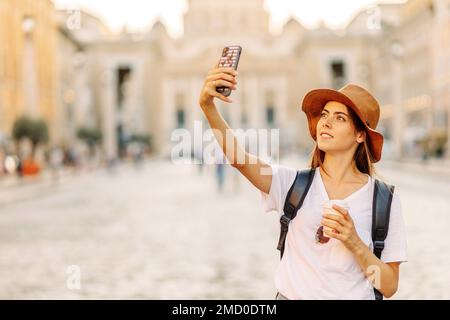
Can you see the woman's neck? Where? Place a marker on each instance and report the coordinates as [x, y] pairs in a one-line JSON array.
[[340, 168]]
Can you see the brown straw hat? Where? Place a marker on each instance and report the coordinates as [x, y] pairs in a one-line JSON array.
[[355, 97]]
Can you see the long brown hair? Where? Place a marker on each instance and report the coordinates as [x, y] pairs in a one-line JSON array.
[[363, 158]]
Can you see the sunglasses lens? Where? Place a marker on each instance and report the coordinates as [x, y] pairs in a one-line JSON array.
[[320, 237]]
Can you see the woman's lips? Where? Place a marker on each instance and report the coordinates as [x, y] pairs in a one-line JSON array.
[[326, 136]]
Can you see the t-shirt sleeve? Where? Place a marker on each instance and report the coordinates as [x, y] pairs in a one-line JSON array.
[[282, 179], [395, 245]]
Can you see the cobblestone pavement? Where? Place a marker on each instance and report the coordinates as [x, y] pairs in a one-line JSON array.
[[165, 232]]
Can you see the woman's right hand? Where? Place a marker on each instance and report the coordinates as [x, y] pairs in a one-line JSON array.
[[258, 172], [217, 77]]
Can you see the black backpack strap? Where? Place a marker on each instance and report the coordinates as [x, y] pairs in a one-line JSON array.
[[381, 209], [294, 200]]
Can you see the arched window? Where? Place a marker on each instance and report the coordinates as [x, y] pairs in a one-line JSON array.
[[270, 115], [180, 116], [270, 108], [338, 73], [181, 121]]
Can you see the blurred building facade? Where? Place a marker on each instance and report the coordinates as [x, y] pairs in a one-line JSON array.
[[398, 51], [412, 72], [148, 83], [27, 72], [76, 107]]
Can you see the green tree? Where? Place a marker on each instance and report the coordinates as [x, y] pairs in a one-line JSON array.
[[91, 136], [34, 130], [142, 138]]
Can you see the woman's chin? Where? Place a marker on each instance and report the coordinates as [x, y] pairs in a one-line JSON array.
[[323, 147]]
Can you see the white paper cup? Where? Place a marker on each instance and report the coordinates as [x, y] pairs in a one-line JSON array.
[[327, 208]]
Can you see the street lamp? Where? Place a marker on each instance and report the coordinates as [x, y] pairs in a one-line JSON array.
[[397, 51], [28, 25]]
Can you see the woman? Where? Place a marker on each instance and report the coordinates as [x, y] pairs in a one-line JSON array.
[[347, 145]]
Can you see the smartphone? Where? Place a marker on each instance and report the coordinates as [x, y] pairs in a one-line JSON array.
[[230, 58]]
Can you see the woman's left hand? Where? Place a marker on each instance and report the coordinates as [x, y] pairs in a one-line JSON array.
[[344, 227]]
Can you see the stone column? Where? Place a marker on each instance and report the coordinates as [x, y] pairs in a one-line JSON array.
[[167, 116], [109, 113], [30, 70], [255, 103], [399, 112], [440, 62]]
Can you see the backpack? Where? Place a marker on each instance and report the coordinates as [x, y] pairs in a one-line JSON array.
[[381, 207]]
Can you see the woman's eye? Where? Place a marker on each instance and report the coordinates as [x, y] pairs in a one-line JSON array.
[[323, 114], [341, 118]]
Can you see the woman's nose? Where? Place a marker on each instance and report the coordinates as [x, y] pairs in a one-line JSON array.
[[327, 123]]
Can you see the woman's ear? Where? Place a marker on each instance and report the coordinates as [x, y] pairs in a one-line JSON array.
[[361, 136]]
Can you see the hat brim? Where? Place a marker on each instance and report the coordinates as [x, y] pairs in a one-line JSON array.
[[315, 100]]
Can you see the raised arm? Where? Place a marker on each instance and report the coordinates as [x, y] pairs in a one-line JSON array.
[[258, 172]]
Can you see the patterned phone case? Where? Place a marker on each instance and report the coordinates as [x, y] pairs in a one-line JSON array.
[[230, 58]]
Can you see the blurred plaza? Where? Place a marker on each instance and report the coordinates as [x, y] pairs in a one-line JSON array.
[[91, 205], [164, 231]]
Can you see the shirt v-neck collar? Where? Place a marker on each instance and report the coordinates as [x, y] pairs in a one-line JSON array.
[[349, 197]]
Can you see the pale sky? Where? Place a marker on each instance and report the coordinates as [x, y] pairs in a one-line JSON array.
[[139, 15]]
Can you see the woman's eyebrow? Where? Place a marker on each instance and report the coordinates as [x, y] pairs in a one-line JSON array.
[[337, 112]]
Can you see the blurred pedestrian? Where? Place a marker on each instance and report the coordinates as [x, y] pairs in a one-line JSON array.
[[220, 161], [56, 160], [198, 157]]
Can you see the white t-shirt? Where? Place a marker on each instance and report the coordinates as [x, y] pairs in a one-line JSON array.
[[310, 270]]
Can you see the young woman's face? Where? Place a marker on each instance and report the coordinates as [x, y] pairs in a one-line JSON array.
[[335, 129]]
